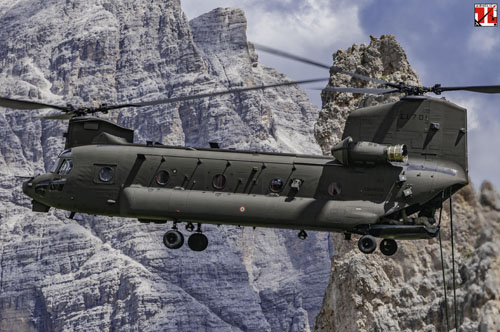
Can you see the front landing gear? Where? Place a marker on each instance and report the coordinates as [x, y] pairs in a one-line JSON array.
[[173, 239], [388, 247], [198, 241]]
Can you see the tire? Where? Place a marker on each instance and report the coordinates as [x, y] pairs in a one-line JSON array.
[[388, 247], [173, 239], [197, 242], [367, 244]]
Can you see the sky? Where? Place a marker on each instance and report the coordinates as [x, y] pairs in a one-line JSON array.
[[439, 37]]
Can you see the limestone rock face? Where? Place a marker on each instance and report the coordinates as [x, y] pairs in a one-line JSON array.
[[383, 58], [112, 274], [404, 292]]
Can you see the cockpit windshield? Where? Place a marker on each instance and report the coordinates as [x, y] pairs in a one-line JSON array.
[[63, 164], [66, 167]]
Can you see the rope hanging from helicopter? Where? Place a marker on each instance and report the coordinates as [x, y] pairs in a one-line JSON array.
[[445, 288], [453, 264], [442, 267]]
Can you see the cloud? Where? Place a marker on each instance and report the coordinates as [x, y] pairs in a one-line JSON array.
[[483, 41], [483, 131], [475, 105], [301, 26], [311, 28], [483, 154]]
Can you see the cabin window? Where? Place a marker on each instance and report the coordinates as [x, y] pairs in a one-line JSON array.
[[219, 181], [276, 185], [106, 174], [334, 189], [162, 178]]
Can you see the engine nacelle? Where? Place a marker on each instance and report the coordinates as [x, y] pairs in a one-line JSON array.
[[349, 152]]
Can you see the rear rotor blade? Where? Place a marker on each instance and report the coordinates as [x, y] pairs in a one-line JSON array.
[[27, 105], [478, 88], [210, 94], [289, 56], [317, 64], [373, 91]]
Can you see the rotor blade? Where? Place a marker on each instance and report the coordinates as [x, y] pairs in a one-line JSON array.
[[478, 88], [211, 94], [27, 105], [64, 116], [289, 56], [317, 64], [373, 91]]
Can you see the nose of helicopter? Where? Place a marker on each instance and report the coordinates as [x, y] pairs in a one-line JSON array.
[[35, 188], [28, 187]]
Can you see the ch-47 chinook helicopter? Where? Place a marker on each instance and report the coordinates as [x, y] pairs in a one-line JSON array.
[[396, 163]]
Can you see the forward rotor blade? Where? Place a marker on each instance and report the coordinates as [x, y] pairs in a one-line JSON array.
[[478, 88], [211, 94], [373, 91], [27, 105], [317, 64]]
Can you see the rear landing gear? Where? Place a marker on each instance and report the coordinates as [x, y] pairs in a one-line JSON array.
[[367, 244], [388, 247]]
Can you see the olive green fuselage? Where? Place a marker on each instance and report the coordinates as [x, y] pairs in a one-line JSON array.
[[330, 196]]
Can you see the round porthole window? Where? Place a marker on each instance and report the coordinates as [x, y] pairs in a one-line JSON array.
[[276, 185], [106, 174], [334, 189], [219, 181], [162, 178]]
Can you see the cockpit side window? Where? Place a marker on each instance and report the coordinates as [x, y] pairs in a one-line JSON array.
[[55, 166]]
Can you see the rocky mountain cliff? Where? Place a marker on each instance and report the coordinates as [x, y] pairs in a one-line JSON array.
[[404, 292], [111, 274]]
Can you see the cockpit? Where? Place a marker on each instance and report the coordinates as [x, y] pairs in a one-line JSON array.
[[63, 164], [48, 189]]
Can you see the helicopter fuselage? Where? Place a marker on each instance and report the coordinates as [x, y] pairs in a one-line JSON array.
[[158, 183]]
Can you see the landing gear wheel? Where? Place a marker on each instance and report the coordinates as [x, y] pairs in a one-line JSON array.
[[367, 244], [173, 239], [197, 242], [388, 247], [302, 235]]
